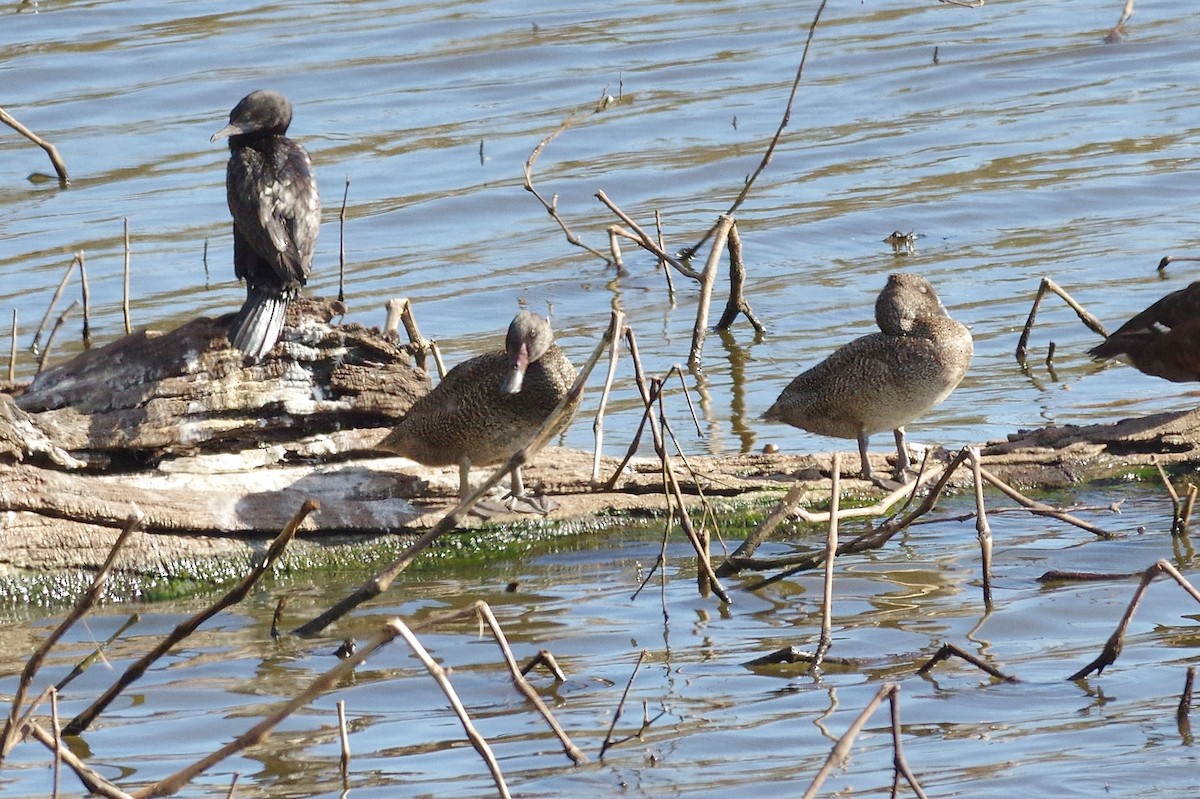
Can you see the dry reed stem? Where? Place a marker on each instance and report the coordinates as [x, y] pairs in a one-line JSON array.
[[97, 653], [233, 781], [62, 319], [614, 246], [552, 206], [706, 575], [983, 530], [1183, 709], [399, 312], [870, 540], [86, 293], [946, 651], [125, 281], [383, 579], [766, 159], [134, 672], [707, 279], [1041, 509], [639, 379], [1112, 648], [841, 749], [1049, 285], [56, 731], [743, 556], [831, 546], [263, 728], [737, 302], [56, 161], [85, 603], [91, 780], [344, 738], [522, 685], [608, 739], [545, 657], [62, 284], [645, 241], [662, 262], [12, 351], [899, 761], [440, 677], [598, 423], [342, 243]]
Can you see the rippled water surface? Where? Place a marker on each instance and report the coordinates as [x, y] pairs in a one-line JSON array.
[[1010, 139], [1028, 147]]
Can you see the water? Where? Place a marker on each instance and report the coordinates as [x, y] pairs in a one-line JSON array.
[[723, 725], [1029, 148]]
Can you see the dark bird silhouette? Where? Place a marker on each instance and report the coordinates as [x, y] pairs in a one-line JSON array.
[[1163, 340], [884, 380], [276, 211], [488, 407]]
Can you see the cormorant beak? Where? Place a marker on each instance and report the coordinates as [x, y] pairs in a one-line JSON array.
[[227, 131], [516, 376]]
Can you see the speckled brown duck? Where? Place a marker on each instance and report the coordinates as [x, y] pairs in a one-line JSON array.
[[884, 380], [488, 407], [1163, 340]]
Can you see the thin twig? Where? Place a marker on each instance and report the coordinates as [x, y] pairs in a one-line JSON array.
[[97, 653], [598, 424], [12, 352], [983, 530], [552, 206], [383, 580], [608, 739], [85, 603], [344, 737], [1084, 316], [899, 761], [644, 239], [87, 320], [946, 651], [841, 749], [737, 302], [570, 749], [766, 159], [709, 276], [62, 284], [342, 243], [60, 168], [58, 323], [134, 672], [440, 677], [125, 295], [1041, 509], [1112, 648], [831, 546]]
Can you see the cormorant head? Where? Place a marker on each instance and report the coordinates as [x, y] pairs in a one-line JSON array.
[[261, 112]]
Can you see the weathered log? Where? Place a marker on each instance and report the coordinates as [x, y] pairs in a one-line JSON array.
[[326, 390]]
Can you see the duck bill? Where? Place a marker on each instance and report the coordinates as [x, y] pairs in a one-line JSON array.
[[516, 373]]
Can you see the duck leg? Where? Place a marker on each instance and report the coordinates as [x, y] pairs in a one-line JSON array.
[[520, 501], [902, 459]]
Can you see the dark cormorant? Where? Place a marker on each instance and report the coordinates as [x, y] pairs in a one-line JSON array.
[[276, 211]]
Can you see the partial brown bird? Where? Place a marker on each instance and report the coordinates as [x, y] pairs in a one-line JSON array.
[[884, 380], [1163, 340], [488, 407]]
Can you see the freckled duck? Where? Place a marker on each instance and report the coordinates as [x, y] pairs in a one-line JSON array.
[[487, 408], [884, 380]]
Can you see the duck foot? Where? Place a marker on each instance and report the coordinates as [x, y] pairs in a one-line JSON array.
[[531, 503]]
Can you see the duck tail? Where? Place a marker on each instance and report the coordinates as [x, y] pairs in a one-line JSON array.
[[258, 324]]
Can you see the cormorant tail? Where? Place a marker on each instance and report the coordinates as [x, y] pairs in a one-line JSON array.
[[258, 324]]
